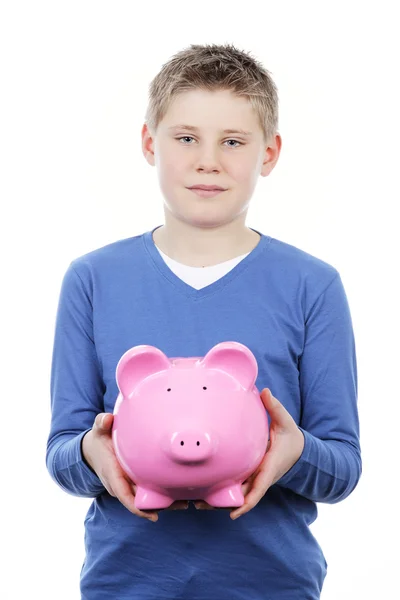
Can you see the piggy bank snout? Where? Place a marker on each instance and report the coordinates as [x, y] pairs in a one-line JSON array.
[[190, 446]]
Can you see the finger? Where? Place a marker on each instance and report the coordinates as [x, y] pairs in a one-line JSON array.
[[107, 421], [179, 505], [254, 496], [259, 488], [246, 487], [278, 413], [103, 422], [266, 397], [202, 505], [123, 491]]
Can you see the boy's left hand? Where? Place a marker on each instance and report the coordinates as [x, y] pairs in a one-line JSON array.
[[284, 449]]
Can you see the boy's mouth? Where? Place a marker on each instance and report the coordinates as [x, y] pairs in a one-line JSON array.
[[202, 186], [206, 193]]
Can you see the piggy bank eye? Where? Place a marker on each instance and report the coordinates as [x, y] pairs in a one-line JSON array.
[[204, 388]]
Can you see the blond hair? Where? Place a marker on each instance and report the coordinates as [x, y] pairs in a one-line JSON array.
[[214, 67]]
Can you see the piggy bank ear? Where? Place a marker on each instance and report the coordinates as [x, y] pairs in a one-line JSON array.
[[235, 359], [138, 363]]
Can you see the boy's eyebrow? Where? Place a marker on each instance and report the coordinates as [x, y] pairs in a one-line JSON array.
[[229, 131]]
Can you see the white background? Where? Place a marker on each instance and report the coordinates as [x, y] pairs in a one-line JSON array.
[[74, 78]]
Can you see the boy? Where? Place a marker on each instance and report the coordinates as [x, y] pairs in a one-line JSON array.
[[201, 278]]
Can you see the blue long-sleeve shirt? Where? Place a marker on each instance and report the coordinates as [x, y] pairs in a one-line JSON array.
[[291, 310]]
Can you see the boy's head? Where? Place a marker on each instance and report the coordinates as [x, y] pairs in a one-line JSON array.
[[211, 89]]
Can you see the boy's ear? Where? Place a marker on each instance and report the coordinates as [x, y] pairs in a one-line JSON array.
[[271, 156], [235, 359], [148, 145], [138, 363]]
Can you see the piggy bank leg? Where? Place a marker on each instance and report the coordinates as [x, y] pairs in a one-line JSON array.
[[231, 496], [150, 500]]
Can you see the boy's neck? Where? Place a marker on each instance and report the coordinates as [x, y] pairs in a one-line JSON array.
[[203, 247]]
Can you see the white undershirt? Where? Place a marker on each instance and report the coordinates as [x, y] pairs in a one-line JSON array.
[[199, 277]]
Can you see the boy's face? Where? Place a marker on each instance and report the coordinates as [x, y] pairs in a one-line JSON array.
[[209, 156]]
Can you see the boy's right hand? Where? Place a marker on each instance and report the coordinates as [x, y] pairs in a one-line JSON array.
[[98, 452]]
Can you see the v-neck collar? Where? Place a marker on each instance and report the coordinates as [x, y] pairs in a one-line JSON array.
[[186, 289]]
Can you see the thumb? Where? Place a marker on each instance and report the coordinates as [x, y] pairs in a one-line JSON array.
[[267, 397], [276, 410], [271, 403], [103, 422]]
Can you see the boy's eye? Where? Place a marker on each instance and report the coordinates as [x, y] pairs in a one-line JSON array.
[[189, 137]]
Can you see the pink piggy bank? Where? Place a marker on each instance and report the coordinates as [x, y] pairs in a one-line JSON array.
[[189, 428]]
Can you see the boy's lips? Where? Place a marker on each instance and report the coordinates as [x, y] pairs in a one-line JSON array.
[[207, 187], [206, 193]]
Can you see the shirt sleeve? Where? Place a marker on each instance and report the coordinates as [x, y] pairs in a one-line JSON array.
[[77, 389], [330, 466]]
